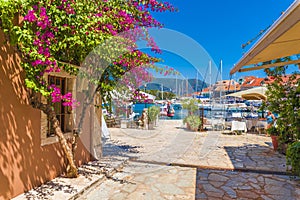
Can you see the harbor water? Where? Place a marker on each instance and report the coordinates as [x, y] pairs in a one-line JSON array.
[[179, 113], [208, 113]]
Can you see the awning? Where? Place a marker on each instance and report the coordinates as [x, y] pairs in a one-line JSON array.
[[282, 39], [257, 93]]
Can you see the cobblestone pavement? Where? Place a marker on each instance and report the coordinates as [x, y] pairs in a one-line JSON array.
[[218, 184], [147, 181], [152, 181], [171, 143], [173, 163]]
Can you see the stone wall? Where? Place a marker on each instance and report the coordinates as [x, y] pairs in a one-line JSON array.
[[24, 162]]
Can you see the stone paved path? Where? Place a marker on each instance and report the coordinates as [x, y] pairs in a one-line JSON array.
[[171, 143], [173, 163], [217, 184], [147, 181], [151, 181]]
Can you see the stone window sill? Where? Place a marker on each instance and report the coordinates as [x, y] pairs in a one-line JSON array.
[[54, 139]]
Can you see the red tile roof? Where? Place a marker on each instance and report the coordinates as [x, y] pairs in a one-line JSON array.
[[285, 79], [205, 90], [252, 81]]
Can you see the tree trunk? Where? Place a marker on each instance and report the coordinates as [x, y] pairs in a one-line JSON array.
[[72, 171]]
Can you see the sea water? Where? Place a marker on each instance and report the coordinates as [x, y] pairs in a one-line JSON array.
[[179, 113], [182, 113]]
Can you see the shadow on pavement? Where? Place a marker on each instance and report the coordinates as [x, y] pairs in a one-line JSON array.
[[115, 148], [48, 189], [256, 157], [221, 184], [258, 173]]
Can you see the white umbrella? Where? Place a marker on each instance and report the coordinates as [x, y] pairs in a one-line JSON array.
[[257, 93]]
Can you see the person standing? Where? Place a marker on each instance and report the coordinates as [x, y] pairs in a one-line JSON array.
[[144, 119], [270, 119]]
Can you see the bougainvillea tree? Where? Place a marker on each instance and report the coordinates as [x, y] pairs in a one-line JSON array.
[[283, 99], [283, 96], [57, 35]]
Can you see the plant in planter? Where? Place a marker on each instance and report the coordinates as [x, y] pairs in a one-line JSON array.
[[274, 135], [193, 122], [153, 113], [191, 105]]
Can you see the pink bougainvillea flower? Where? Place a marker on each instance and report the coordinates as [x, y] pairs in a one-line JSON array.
[[37, 62], [30, 17]]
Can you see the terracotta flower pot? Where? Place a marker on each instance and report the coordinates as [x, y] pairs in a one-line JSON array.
[[274, 142], [188, 126]]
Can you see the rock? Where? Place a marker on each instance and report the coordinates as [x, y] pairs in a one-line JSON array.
[[230, 192], [217, 177]]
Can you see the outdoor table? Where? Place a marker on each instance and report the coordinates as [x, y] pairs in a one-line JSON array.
[[256, 124], [218, 124], [261, 126], [238, 126], [251, 123]]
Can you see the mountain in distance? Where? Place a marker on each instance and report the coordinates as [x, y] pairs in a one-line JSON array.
[[181, 87]]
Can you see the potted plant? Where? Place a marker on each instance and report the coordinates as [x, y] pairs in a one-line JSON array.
[[153, 113], [193, 122], [191, 105], [274, 133]]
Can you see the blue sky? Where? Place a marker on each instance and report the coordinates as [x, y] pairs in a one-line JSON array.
[[220, 27]]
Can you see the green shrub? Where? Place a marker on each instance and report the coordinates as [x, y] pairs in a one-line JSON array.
[[153, 112], [293, 157], [191, 105], [193, 121], [273, 131]]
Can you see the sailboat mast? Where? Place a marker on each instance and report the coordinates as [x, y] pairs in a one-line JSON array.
[[221, 69], [162, 92], [210, 82], [176, 86], [186, 86], [221, 79], [196, 81]]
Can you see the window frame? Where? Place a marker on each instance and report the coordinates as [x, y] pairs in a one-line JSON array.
[[70, 87]]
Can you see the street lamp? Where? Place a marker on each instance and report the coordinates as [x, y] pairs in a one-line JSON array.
[[145, 86], [162, 92]]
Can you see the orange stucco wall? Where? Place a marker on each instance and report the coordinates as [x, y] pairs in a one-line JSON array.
[[24, 163]]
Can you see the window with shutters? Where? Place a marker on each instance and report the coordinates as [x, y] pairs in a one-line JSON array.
[[63, 114]]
